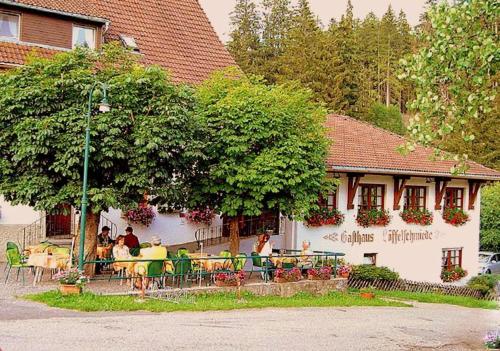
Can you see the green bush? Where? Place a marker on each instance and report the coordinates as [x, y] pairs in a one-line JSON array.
[[369, 272], [490, 218], [484, 283]]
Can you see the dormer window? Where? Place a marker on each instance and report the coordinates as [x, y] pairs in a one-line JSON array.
[[9, 26], [129, 42], [83, 37]]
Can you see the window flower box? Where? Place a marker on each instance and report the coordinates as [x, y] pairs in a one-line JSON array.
[[453, 274], [455, 216], [417, 216], [373, 217], [325, 216]]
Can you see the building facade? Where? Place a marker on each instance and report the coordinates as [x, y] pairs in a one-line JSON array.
[[373, 175]]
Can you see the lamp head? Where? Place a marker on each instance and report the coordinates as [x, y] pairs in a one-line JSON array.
[[104, 105]]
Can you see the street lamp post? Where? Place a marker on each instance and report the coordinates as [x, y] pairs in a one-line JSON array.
[[103, 107]]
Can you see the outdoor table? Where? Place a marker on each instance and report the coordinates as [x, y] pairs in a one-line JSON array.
[[210, 263], [43, 260], [279, 260]]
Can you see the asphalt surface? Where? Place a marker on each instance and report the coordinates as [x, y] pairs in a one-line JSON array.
[[29, 326]]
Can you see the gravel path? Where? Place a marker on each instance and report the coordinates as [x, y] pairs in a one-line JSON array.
[[424, 327]]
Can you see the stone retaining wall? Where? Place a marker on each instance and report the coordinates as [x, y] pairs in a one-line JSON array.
[[315, 287]]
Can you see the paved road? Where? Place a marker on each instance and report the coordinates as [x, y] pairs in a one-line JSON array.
[[26, 326]]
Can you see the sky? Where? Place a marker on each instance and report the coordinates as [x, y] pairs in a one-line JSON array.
[[218, 11]]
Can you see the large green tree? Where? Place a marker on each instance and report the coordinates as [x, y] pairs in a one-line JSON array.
[[455, 74], [490, 218], [144, 144], [266, 149]]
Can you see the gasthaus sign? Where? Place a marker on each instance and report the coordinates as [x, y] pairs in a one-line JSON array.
[[392, 236]]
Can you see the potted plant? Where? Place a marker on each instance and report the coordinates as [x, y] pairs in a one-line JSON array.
[[325, 216], [201, 216], [417, 216], [229, 279], [344, 270], [323, 273], [453, 274], [367, 293], [455, 216], [373, 217], [284, 276], [70, 281], [492, 340]]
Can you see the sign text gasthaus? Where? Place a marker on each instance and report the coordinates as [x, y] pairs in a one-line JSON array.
[[394, 236]]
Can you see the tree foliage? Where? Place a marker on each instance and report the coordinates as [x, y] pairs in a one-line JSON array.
[[490, 218], [455, 74], [137, 147], [387, 117], [266, 148]]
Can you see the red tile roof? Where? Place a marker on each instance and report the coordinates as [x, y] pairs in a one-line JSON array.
[[15, 54], [175, 34], [361, 147]]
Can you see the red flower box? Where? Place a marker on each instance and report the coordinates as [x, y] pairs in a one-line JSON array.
[[455, 216], [417, 216], [325, 216], [373, 217]]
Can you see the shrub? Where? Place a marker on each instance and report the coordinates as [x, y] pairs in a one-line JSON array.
[[490, 212], [369, 272], [484, 283], [387, 117]]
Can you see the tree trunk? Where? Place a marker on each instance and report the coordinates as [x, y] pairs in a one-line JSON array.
[[90, 247], [234, 236]]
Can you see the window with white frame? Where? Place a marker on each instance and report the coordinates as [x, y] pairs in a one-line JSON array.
[[83, 37], [9, 26]]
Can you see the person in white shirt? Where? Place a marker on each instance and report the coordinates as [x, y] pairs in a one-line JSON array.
[[121, 252]]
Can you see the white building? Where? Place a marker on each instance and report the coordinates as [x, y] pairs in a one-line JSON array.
[[374, 175]]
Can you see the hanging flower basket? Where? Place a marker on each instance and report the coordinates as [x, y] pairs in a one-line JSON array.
[[204, 216], [144, 214], [373, 217], [325, 216], [455, 216], [417, 216]]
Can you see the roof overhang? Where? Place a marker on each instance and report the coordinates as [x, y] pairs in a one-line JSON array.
[[53, 11], [414, 173]]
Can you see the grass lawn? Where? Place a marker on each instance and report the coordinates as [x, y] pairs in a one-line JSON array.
[[89, 302], [438, 298]]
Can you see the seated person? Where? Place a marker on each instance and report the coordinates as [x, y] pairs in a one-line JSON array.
[[104, 246], [305, 261], [155, 252], [121, 252], [131, 241], [264, 247]]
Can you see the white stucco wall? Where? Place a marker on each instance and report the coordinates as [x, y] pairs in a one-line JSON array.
[[171, 228], [417, 260], [17, 214]]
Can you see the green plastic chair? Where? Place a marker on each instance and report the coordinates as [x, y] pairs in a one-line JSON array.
[[155, 271], [135, 251], [144, 245], [12, 246], [225, 253], [182, 251], [14, 260], [182, 268], [239, 261], [288, 265]]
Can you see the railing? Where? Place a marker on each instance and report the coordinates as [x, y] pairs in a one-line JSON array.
[[49, 227], [249, 227], [184, 270], [113, 228]]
